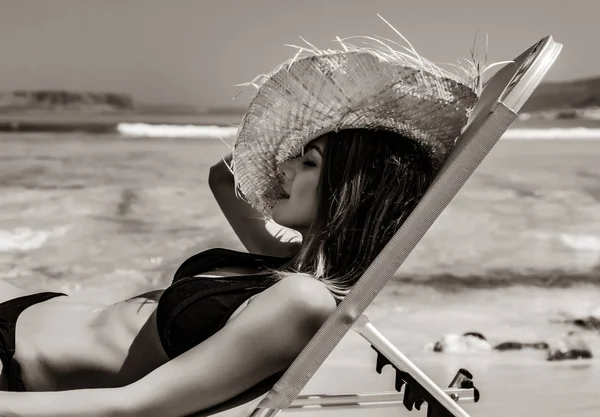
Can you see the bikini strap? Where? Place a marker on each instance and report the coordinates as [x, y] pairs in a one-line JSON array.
[[211, 259]]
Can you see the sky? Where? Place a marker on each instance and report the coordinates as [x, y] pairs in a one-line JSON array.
[[195, 51]]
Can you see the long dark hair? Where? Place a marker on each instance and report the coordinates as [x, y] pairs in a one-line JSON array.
[[370, 182]]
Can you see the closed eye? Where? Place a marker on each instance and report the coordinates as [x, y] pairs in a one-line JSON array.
[[309, 157]]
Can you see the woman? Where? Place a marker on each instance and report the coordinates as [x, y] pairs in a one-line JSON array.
[[339, 146]]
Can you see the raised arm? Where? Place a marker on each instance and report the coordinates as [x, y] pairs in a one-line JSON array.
[[262, 340], [254, 231]]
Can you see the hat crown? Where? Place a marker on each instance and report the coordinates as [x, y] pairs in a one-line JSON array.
[[309, 96]]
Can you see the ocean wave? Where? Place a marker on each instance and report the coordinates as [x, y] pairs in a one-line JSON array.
[[225, 133], [26, 239], [587, 243], [176, 131], [552, 133], [503, 278]]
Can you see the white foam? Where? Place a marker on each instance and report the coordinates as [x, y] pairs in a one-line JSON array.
[[589, 243], [553, 133], [225, 133], [26, 239], [586, 247], [176, 131]]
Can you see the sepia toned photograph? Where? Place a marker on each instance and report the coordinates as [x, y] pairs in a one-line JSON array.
[[258, 208]]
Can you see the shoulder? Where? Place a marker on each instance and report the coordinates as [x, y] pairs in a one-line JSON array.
[[305, 292], [297, 300], [283, 318]]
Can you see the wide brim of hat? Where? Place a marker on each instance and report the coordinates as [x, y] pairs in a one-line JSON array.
[[306, 98]]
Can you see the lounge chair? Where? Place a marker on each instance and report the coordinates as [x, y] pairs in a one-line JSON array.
[[502, 98]]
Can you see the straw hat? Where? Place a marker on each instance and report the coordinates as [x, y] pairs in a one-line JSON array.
[[357, 87]]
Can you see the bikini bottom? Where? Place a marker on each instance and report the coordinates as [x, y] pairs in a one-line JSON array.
[[9, 313]]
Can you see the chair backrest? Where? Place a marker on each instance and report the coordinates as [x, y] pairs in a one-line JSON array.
[[497, 108]]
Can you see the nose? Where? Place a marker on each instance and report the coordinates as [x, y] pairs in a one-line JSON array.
[[286, 169]]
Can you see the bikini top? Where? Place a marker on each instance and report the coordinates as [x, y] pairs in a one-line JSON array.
[[193, 307]]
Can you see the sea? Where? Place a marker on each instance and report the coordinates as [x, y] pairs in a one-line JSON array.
[[104, 216]]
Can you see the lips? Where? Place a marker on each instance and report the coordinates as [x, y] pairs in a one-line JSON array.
[[282, 194]]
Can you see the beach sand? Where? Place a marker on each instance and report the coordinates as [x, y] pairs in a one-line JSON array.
[[104, 218], [510, 384], [515, 384]]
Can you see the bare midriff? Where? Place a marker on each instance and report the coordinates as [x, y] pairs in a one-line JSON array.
[[64, 344]]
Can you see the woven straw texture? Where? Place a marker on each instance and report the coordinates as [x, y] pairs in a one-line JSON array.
[[307, 97]]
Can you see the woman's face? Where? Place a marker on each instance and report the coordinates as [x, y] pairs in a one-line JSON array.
[[298, 207]]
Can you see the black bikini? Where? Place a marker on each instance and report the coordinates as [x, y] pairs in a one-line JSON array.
[[9, 313], [194, 308], [189, 311]]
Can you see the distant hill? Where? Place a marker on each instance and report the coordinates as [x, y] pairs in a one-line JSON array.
[[565, 96], [41, 101], [567, 99], [63, 100]]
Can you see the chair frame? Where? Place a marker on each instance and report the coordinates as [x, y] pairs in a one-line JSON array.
[[461, 388]]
